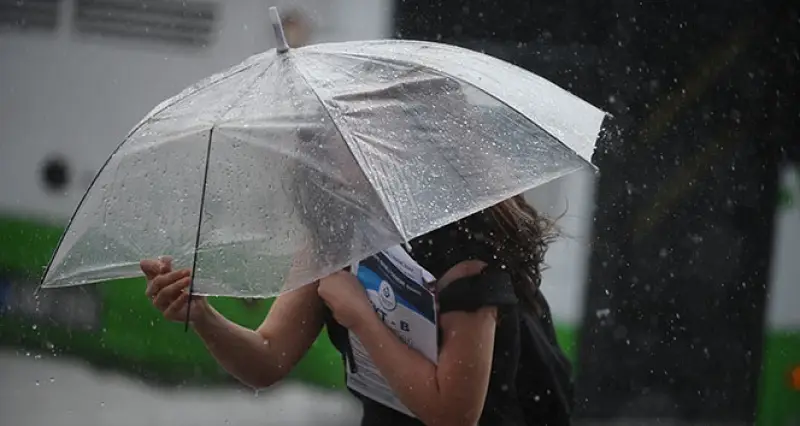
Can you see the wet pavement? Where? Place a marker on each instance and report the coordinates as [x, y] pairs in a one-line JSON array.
[[36, 390]]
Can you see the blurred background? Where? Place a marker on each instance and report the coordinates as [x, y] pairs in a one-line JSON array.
[[675, 287]]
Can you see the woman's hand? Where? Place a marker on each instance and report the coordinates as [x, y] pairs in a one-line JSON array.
[[346, 298], [168, 290], [451, 391]]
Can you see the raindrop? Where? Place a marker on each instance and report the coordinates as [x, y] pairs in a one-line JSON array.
[[37, 383], [52, 380]]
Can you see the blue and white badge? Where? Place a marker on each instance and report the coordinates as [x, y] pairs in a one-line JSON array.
[[397, 287]]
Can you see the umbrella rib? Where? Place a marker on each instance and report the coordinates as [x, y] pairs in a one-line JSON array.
[[199, 225], [392, 212], [205, 188]]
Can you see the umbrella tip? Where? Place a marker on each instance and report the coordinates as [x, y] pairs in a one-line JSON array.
[[280, 37]]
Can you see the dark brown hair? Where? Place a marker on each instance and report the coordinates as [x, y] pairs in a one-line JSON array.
[[523, 236], [510, 235]]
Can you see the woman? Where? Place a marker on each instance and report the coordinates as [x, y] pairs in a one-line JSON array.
[[498, 362]]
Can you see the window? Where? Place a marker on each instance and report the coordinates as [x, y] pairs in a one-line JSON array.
[[167, 21], [40, 15]]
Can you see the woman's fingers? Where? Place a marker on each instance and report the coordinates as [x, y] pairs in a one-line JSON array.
[[150, 267], [164, 280], [166, 264], [155, 267], [177, 305], [166, 288], [168, 294]]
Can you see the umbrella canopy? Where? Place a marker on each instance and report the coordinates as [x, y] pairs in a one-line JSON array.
[[298, 162]]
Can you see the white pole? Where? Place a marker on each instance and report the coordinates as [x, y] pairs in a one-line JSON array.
[[280, 37]]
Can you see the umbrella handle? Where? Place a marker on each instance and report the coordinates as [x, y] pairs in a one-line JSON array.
[[280, 37]]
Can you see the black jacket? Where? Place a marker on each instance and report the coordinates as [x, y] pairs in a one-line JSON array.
[[530, 381]]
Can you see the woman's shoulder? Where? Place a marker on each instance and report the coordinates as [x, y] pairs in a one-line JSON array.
[[475, 286]]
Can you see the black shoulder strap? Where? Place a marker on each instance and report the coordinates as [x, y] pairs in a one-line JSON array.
[[492, 287]]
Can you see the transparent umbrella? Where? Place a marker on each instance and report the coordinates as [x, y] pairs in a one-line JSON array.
[[298, 162]]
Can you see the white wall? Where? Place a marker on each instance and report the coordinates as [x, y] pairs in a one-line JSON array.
[[564, 282], [78, 96], [783, 311]]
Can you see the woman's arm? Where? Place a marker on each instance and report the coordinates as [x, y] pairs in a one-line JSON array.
[[257, 358], [262, 357], [450, 393]]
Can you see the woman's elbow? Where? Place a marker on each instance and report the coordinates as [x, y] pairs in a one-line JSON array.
[[261, 381], [257, 384]]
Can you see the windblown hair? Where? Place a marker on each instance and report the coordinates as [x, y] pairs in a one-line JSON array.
[[523, 237], [510, 235]]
